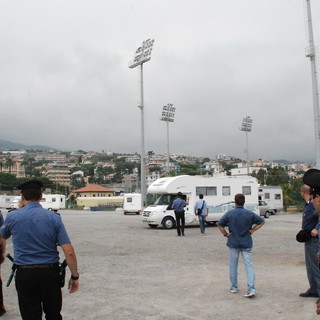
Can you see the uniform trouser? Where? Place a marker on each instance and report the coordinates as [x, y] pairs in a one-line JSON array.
[[312, 265], [180, 221], [39, 291]]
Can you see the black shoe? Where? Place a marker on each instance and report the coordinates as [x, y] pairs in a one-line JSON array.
[[309, 295], [179, 234], [2, 311], [183, 234]]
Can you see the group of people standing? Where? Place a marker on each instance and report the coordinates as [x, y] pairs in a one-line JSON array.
[[242, 223]]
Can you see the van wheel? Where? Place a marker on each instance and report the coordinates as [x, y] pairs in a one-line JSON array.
[[168, 223], [153, 226], [267, 214]]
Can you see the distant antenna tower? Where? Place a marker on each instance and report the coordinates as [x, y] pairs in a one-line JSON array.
[[311, 53]]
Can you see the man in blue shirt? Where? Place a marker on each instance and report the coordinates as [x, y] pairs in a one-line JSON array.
[[241, 224], [201, 205], [311, 247], [178, 206], [36, 232]]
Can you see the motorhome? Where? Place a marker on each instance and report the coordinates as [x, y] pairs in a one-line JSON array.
[[132, 203], [53, 202], [218, 192], [6, 201], [273, 196]]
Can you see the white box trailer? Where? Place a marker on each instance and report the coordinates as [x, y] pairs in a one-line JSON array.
[[273, 196], [6, 201], [53, 202], [132, 203], [218, 193]]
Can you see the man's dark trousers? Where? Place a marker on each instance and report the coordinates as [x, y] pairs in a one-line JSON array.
[[39, 291], [180, 222]]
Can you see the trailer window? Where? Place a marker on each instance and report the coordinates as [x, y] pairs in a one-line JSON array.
[[277, 196], [53, 199], [267, 195], [246, 190], [129, 199], [226, 191], [206, 191]]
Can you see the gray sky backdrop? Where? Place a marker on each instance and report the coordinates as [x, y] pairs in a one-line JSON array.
[[65, 81]]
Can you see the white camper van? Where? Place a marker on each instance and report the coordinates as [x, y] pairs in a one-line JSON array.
[[132, 203], [218, 192], [53, 202], [273, 196]]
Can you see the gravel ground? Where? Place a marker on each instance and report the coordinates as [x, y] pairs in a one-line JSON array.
[[129, 271]]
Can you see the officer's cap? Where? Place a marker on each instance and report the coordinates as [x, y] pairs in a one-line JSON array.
[[312, 179], [179, 194], [31, 184]]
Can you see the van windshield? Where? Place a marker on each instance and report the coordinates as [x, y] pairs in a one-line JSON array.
[[165, 200]]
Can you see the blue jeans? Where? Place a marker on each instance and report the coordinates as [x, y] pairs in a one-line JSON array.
[[233, 268], [202, 221], [313, 271]]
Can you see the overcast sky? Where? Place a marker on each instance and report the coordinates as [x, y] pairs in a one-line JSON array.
[[65, 81]]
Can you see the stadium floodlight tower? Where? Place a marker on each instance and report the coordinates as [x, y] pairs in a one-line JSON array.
[[246, 127], [142, 55], [168, 116], [310, 53]]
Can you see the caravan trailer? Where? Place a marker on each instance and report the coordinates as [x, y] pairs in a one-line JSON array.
[[53, 202], [273, 196], [218, 192], [132, 203]]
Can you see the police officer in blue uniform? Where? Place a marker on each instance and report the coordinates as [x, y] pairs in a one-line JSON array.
[[36, 233]]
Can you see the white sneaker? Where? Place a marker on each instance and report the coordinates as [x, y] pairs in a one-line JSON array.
[[202, 234], [233, 290], [249, 295]]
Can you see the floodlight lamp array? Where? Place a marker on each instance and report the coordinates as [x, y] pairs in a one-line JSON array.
[[142, 54], [168, 113]]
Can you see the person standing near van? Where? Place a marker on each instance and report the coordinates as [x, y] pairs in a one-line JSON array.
[[242, 224], [178, 206], [201, 210]]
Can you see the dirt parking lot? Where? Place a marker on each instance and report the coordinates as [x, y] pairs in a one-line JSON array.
[[129, 271]]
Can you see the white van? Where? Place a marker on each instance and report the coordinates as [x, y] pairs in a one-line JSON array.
[[132, 203], [6, 201], [218, 192], [15, 202]]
